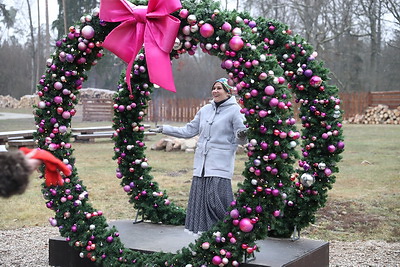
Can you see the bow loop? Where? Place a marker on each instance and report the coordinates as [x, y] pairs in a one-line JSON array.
[[152, 26]]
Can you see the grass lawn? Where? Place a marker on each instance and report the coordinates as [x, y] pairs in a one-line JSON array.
[[363, 205]]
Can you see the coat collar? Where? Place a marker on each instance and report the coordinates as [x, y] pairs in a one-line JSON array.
[[231, 101]]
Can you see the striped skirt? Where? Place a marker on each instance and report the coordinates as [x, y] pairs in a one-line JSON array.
[[208, 202]]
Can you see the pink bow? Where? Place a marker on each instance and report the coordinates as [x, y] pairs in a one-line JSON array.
[[152, 26]]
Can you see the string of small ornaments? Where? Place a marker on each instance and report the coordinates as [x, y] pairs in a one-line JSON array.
[[288, 172]]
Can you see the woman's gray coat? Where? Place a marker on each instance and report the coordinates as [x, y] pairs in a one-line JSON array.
[[217, 129]]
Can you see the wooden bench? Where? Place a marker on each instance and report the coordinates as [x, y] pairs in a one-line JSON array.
[[89, 134], [91, 137], [9, 135], [17, 143]]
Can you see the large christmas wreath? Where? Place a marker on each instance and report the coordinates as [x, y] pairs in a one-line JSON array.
[[270, 68]]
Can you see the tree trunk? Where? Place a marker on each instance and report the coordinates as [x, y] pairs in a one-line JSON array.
[[33, 50], [39, 43], [65, 16], [47, 44]]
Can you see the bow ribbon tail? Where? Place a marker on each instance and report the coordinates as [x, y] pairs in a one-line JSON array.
[[159, 67]]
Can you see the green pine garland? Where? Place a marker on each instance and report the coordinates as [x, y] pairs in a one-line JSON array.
[[272, 68]]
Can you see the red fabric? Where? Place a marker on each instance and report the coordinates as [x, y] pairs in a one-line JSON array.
[[53, 166]]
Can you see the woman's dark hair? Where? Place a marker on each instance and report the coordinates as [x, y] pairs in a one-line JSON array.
[[14, 173]]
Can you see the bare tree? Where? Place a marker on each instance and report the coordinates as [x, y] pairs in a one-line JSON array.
[[64, 6], [39, 42], [394, 8], [47, 39], [371, 14], [33, 49]]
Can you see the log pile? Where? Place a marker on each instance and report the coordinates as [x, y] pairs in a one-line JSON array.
[[380, 114], [8, 102], [170, 144]]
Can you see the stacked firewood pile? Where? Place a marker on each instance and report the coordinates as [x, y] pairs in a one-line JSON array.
[[175, 144], [380, 114]]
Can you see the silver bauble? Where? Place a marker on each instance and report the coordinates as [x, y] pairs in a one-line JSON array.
[[307, 179]]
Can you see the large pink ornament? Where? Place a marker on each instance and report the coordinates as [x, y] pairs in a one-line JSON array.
[[88, 32], [315, 81], [236, 43], [207, 30], [269, 90], [58, 85], [234, 214], [331, 148], [228, 64], [184, 13], [63, 129], [216, 260], [262, 113], [66, 115], [226, 27], [245, 225], [340, 145], [273, 102]]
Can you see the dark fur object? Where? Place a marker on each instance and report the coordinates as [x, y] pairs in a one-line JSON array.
[[14, 173]]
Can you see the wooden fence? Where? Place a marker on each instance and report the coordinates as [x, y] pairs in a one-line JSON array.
[[184, 110], [97, 109]]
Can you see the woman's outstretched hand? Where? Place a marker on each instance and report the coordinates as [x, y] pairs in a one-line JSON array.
[[156, 130]]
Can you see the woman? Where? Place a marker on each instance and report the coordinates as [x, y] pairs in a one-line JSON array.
[[220, 127]]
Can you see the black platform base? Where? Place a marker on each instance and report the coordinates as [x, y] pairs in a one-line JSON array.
[[149, 237]]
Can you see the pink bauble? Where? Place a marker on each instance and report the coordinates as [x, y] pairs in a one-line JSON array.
[[262, 76], [121, 108], [52, 147], [245, 225], [66, 115], [328, 172], [281, 105], [82, 46], [228, 64], [340, 145], [269, 90], [259, 209], [331, 148], [41, 104], [273, 102], [275, 192], [236, 43], [186, 30], [184, 13], [207, 30], [62, 129], [264, 145], [216, 260], [81, 60], [226, 27], [254, 92], [234, 214], [88, 32], [315, 81], [277, 213], [58, 99], [262, 113], [58, 85], [205, 245]]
